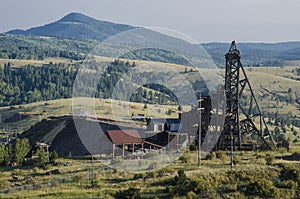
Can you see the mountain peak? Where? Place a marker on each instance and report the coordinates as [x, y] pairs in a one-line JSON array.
[[76, 17], [76, 25]]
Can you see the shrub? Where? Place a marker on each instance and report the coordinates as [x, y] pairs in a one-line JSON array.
[[191, 195], [78, 178], [4, 184], [193, 147], [139, 176], [269, 159], [17, 172], [185, 158], [287, 184], [151, 174], [131, 193], [289, 173], [262, 188], [145, 106], [164, 171], [237, 160], [54, 155], [47, 166], [182, 185], [19, 197], [35, 170], [222, 156], [211, 156]]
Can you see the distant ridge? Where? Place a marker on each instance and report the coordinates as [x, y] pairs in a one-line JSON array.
[[257, 54], [86, 29], [76, 25]]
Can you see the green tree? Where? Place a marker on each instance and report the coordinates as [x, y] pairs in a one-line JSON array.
[[41, 156], [2, 154], [54, 155], [21, 147], [145, 106]]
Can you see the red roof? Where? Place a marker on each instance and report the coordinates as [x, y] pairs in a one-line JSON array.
[[120, 137]]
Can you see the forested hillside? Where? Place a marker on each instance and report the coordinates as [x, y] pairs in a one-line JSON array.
[[21, 85], [39, 48]]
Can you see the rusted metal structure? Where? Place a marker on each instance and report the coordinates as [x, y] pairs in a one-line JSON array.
[[241, 118]]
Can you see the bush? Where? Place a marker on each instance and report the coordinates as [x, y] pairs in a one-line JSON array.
[[262, 188], [145, 106], [131, 193], [4, 184], [17, 172], [185, 158], [237, 160], [211, 156], [287, 184], [221, 155], [182, 185], [54, 155], [289, 173], [78, 178], [47, 167], [269, 159], [35, 170], [191, 195], [151, 174], [164, 171], [193, 147], [139, 176]]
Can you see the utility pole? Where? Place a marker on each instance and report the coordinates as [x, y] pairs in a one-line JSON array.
[[92, 170], [199, 130]]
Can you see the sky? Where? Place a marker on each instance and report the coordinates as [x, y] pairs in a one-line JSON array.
[[203, 20]]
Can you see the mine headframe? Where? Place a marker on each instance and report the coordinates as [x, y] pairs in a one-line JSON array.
[[242, 118]]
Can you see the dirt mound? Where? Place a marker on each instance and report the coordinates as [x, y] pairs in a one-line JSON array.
[[62, 136]]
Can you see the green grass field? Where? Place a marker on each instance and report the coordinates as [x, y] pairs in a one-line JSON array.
[[75, 178]]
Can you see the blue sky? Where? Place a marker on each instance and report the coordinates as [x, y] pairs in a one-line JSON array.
[[203, 20]]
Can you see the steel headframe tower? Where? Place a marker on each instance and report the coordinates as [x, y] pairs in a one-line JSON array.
[[241, 119]]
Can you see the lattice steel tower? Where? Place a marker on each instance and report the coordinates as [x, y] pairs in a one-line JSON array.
[[241, 118]]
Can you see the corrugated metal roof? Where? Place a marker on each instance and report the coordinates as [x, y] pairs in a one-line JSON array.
[[119, 137]]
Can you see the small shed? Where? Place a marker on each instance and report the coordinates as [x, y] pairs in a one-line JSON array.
[[124, 138]]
